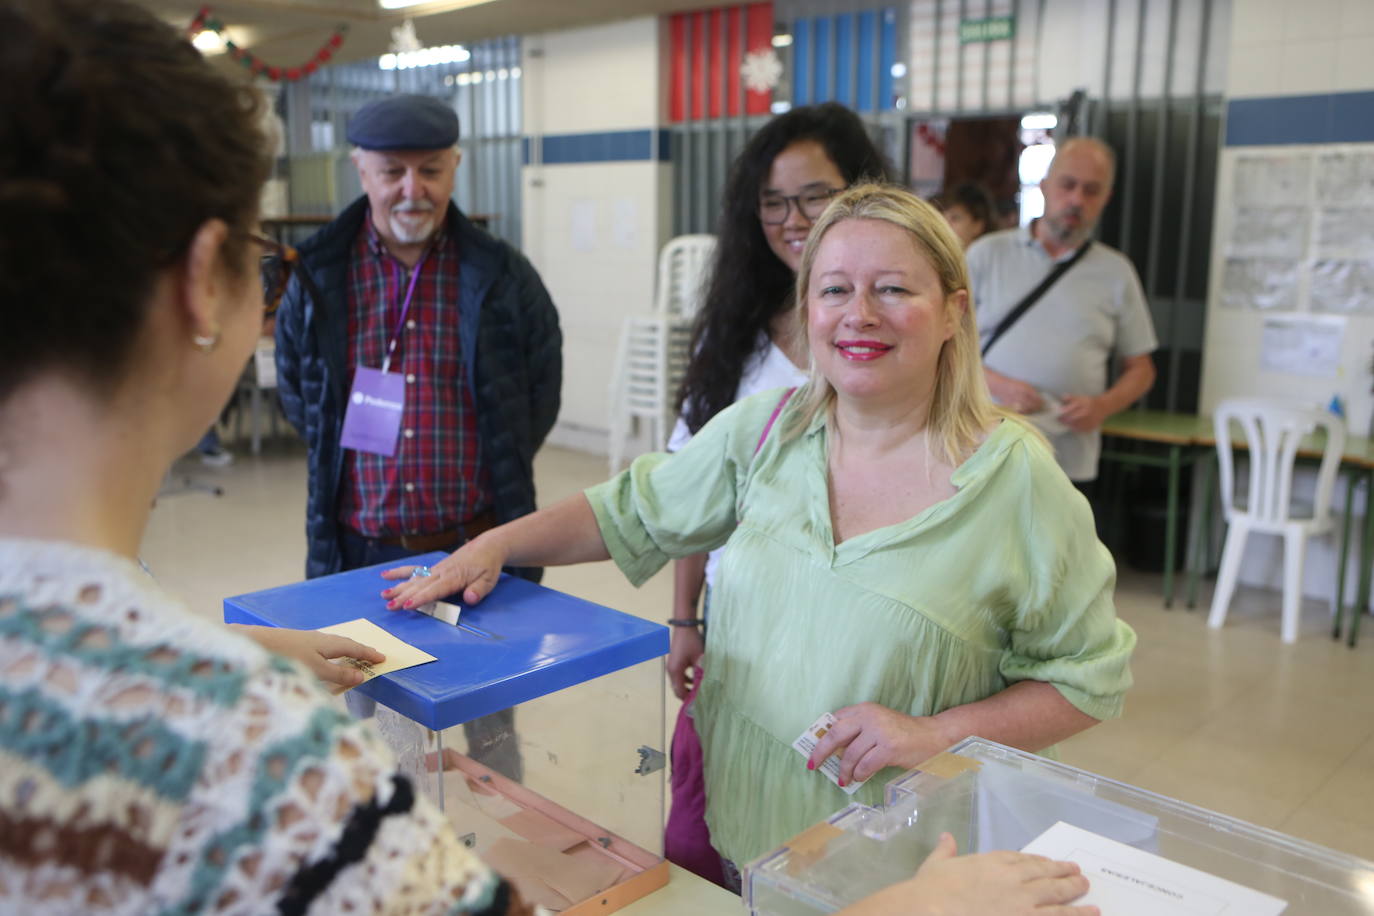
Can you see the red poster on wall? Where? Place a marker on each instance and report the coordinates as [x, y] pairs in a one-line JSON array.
[[709, 52]]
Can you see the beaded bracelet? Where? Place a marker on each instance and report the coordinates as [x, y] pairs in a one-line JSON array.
[[683, 622]]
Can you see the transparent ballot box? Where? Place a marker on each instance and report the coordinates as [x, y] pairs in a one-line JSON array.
[[538, 729], [993, 797]]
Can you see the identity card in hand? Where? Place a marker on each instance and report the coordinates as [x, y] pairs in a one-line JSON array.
[[831, 766]]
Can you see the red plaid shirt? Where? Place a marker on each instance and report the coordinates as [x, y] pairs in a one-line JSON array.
[[435, 481]]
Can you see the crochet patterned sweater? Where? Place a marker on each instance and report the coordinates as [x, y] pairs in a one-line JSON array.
[[152, 762]]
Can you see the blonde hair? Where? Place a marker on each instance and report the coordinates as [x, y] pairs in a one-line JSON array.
[[961, 410]]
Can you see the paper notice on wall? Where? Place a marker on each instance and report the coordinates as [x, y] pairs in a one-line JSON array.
[[1276, 231], [1345, 177], [1125, 881], [582, 226], [1273, 180], [624, 223], [1302, 344], [1344, 287], [1345, 230], [1260, 283]]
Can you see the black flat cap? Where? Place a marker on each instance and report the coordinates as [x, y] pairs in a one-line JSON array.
[[404, 122]]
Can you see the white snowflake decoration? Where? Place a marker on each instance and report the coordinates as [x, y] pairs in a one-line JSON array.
[[403, 38], [761, 70]]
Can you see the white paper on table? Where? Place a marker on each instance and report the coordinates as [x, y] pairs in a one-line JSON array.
[[1303, 344], [1124, 881]]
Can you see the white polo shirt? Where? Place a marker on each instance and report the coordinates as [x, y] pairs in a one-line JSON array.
[[1062, 343]]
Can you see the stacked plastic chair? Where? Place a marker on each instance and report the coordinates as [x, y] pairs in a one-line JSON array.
[[654, 348]]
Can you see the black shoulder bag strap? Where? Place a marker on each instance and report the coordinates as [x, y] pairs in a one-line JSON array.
[[1034, 296]]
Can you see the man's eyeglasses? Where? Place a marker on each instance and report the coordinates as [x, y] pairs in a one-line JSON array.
[[773, 208], [278, 261]]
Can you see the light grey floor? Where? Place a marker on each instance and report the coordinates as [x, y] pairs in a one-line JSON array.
[[1232, 720]]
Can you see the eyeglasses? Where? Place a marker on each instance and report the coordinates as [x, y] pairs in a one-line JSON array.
[[278, 261], [773, 208]]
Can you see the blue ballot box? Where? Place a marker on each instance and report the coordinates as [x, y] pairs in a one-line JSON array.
[[539, 729]]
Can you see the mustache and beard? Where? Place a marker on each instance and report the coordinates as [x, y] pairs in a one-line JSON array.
[[1068, 227], [411, 229]]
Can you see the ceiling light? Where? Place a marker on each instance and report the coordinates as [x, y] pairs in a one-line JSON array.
[[208, 42], [1039, 120], [425, 57]]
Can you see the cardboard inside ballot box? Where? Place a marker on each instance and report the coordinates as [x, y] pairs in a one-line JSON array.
[[554, 857]]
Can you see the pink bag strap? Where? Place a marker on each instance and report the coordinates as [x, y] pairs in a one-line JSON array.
[[782, 402]]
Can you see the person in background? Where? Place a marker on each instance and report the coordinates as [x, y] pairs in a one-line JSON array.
[[1052, 362], [421, 360], [970, 212], [899, 552], [746, 340]]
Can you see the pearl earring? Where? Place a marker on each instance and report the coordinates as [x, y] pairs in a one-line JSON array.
[[206, 342]]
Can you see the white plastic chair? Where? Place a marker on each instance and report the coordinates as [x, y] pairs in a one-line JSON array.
[[1273, 431], [682, 267], [649, 367]]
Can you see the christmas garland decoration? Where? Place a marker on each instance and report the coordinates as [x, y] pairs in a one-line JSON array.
[[205, 20]]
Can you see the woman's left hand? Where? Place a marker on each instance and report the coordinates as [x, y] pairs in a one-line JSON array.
[[870, 737], [315, 650]]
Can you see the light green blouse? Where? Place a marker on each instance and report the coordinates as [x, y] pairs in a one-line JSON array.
[[1002, 582]]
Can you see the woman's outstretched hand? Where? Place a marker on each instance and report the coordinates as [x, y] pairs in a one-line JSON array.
[[472, 571]]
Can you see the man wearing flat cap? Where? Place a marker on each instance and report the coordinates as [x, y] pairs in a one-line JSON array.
[[418, 356]]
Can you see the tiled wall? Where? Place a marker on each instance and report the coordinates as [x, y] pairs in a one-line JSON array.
[[596, 198], [1300, 77]]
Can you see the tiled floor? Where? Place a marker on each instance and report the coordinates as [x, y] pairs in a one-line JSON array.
[[1231, 720]]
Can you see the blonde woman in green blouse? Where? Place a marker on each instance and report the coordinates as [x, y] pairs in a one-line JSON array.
[[899, 552]]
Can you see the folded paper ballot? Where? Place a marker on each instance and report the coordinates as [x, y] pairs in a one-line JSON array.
[[399, 654], [1125, 881]]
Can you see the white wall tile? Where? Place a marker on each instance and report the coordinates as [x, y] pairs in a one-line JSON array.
[[1308, 66], [1354, 63], [595, 79], [1357, 18], [1309, 20], [1257, 20], [1255, 70]]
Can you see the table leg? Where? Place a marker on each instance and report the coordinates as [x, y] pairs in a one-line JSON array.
[[1366, 559], [1171, 525], [1202, 547], [1352, 478], [439, 765]]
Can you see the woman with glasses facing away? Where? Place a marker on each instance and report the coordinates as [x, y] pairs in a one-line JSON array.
[[150, 760]]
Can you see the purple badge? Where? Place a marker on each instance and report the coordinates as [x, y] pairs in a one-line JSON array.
[[373, 419]]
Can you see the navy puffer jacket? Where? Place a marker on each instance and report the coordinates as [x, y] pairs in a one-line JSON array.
[[512, 354]]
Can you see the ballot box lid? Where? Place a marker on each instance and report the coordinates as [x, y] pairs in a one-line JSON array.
[[537, 641]]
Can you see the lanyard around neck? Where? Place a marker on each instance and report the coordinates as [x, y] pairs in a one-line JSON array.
[[405, 306]]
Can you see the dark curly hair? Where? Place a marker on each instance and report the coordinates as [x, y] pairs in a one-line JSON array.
[[748, 284], [117, 142]]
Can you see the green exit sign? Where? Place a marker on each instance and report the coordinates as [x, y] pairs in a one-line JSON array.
[[993, 29]]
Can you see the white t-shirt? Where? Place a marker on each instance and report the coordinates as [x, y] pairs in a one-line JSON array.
[[767, 368], [1062, 343]]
